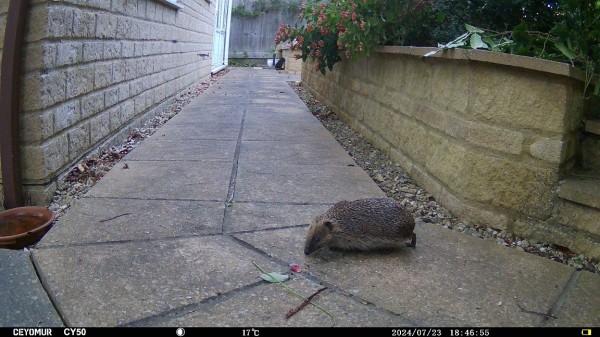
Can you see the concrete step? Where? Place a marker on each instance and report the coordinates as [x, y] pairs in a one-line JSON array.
[[593, 126], [582, 187], [579, 208], [590, 147]]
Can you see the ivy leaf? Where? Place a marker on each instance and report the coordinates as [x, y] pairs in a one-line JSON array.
[[477, 43], [522, 38], [566, 51], [489, 41], [473, 29], [274, 277]]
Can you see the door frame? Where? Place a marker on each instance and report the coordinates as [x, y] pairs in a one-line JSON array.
[[218, 62]]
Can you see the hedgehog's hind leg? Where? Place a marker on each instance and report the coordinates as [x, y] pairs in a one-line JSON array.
[[413, 241]]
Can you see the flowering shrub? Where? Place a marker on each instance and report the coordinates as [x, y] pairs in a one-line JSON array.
[[560, 30], [348, 29]]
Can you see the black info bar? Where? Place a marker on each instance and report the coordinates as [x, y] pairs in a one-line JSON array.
[[300, 331]]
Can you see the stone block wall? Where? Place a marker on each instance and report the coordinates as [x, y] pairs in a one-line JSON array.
[[488, 135], [94, 69]]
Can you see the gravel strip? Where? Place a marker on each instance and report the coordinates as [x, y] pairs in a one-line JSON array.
[[398, 185]]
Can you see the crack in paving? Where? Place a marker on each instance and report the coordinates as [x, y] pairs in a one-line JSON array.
[[258, 230], [560, 300], [188, 308], [293, 203], [49, 293], [236, 160], [102, 243], [311, 277], [151, 199]]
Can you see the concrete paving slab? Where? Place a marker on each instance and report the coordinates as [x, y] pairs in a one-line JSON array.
[[280, 116], [199, 132], [214, 101], [191, 150], [256, 216], [214, 115], [285, 109], [266, 305], [106, 219], [581, 305], [281, 131], [303, 183], [114, 284], [207, 180], [282, 101], [230, 91], [286, 152], [23, 300], [449, 280], [281, 94]]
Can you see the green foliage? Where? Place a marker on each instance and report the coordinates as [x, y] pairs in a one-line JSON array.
[[236, 63], [344, 29], [260, 7], [240, 10], [560, 30], [574, 38]]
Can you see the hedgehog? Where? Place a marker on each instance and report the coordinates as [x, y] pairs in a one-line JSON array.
[[371, 224]]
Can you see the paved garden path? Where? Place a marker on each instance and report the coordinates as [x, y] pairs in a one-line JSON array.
[[235, 178]]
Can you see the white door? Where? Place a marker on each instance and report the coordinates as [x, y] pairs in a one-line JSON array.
[[221, 37]]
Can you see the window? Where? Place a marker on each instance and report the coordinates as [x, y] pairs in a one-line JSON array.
[[171, 3]]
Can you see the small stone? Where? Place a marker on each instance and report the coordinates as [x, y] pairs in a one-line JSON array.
[[524, 244]]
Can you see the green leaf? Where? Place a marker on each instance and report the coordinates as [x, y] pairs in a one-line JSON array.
[[521, 37], [566, 51], [274, 277], [477, 43], [472, 29], [489, 41], [597, 88]]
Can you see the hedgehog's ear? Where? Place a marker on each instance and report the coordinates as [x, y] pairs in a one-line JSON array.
[[328, 224]]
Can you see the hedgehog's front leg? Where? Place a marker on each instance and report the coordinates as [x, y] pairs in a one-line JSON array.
[[413, 242]]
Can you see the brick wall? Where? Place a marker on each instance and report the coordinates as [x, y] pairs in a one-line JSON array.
[[489, 135], [3, 11], [94, 69]]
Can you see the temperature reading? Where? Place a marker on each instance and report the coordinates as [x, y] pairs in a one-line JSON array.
[[250, 332]]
